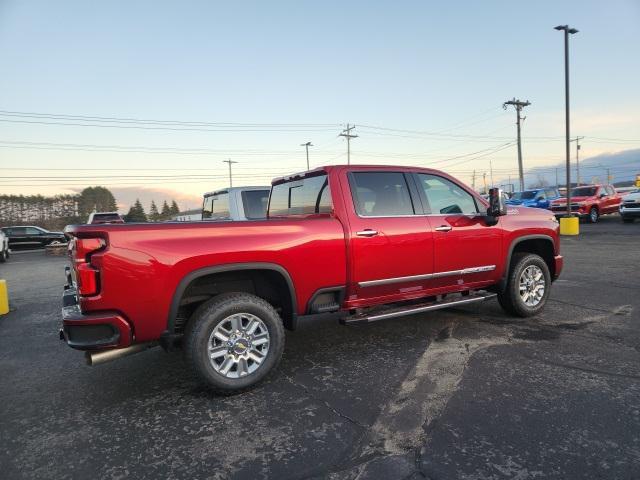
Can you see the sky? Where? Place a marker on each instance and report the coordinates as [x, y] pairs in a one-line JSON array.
[[149, 98]]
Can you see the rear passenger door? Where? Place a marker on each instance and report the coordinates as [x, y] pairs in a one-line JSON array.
[[466, 250], [391, 244]]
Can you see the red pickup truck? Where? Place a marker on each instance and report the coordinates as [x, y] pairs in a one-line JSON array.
[[589, 202], [367, 242]]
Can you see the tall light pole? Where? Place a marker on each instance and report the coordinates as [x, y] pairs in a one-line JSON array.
[[567, 31], [230, 177], [306, 146], [519, 105]]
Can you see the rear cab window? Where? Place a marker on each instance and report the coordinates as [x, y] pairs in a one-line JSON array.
[[309, 195], [381, 194], [216, 207]]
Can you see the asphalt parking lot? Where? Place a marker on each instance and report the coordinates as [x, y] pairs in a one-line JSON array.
[[463, 393]]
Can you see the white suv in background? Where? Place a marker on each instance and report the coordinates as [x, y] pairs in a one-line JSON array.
[[630, 206]]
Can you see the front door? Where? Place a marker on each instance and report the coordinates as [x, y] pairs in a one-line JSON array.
[[466, 250], [391, 246]]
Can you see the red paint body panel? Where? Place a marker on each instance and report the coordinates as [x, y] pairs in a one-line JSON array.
[[142, 264]]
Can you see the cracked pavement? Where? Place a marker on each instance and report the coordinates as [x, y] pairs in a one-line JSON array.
[[464, 393]]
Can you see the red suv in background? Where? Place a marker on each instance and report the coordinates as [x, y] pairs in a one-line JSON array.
[[589, 202]]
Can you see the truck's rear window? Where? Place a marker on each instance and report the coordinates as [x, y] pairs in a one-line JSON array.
[[301, 197]]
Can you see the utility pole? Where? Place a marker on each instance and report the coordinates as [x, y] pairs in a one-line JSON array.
[[519, 106], [473, 180], [306, 146], [557, 184], [608, 175], [230, 177], [347, 134], [577, 140], [484, 180], [491, 173], [567, 31]]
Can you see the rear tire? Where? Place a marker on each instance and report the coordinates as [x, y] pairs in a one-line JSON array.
[[528, 286], [222, 349], [593, 215]]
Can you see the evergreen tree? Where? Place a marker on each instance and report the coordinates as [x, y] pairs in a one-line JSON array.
[[165, 214], [174, 208], [154, 215], [136, 213], [98, 199]]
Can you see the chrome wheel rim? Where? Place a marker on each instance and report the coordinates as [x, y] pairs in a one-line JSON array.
[[238, 345], [532, 285], [594, 215]]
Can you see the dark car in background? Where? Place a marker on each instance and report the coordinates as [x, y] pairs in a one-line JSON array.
[[32, 237]]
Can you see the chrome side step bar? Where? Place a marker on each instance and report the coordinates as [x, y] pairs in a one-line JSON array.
[[384, 313]]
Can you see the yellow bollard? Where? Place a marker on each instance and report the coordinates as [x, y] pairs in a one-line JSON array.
[[4, 298], [569, 226]]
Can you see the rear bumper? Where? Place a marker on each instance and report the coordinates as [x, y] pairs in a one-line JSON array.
[[91, 331]]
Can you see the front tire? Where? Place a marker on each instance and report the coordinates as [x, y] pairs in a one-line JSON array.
[[593, 215], [528, 286], [4, 255], [233, 341]]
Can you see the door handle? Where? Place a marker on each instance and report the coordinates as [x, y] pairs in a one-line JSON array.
[[443, 228], [367, 232]]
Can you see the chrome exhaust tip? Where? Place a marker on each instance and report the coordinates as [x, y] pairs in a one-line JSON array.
[[96, 358]]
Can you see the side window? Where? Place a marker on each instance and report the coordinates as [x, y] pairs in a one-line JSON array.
[[551, 193], [381, 194], [255, 203], [610, 190], [216, 207], [306, 196], [541, 195], [445, 197], [603, 191], [33, 231]]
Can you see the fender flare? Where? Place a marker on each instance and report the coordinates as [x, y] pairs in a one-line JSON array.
[[502, 285], [230, 267]]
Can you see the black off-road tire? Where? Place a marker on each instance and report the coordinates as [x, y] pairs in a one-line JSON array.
[[510, 300], [208, 316]]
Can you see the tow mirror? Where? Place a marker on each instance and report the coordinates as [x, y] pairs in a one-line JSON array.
[[497, 205]]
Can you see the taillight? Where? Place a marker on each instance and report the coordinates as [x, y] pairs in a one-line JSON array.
[[86, 274]]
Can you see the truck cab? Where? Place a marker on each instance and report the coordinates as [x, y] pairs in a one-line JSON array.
[[236, 203]]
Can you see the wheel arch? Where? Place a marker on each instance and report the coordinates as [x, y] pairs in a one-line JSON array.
[[283, 285], [542, 245]]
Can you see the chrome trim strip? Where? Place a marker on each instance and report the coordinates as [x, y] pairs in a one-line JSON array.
[[426, 308], [426, 276]]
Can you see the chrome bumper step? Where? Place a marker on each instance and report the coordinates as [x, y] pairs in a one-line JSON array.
[[385, 312]]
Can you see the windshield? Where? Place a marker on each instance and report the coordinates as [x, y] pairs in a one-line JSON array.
[[216, 207], [528, 195], [584, 191]]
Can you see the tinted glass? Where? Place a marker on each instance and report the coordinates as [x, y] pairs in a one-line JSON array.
[[255, 203], [216, 207], [33, 231], [551, 193], [381, 194], [445, 197], [528, 195], [301, 197], [583, 192], [107, 217]]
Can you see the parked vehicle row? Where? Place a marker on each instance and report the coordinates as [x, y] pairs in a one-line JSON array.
[[365, 242]]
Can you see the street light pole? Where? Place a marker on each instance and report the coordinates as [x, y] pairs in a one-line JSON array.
[[306, 146], [567, 31]]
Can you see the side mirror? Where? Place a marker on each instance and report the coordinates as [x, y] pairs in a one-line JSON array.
[[602, 195], [497, 205]]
